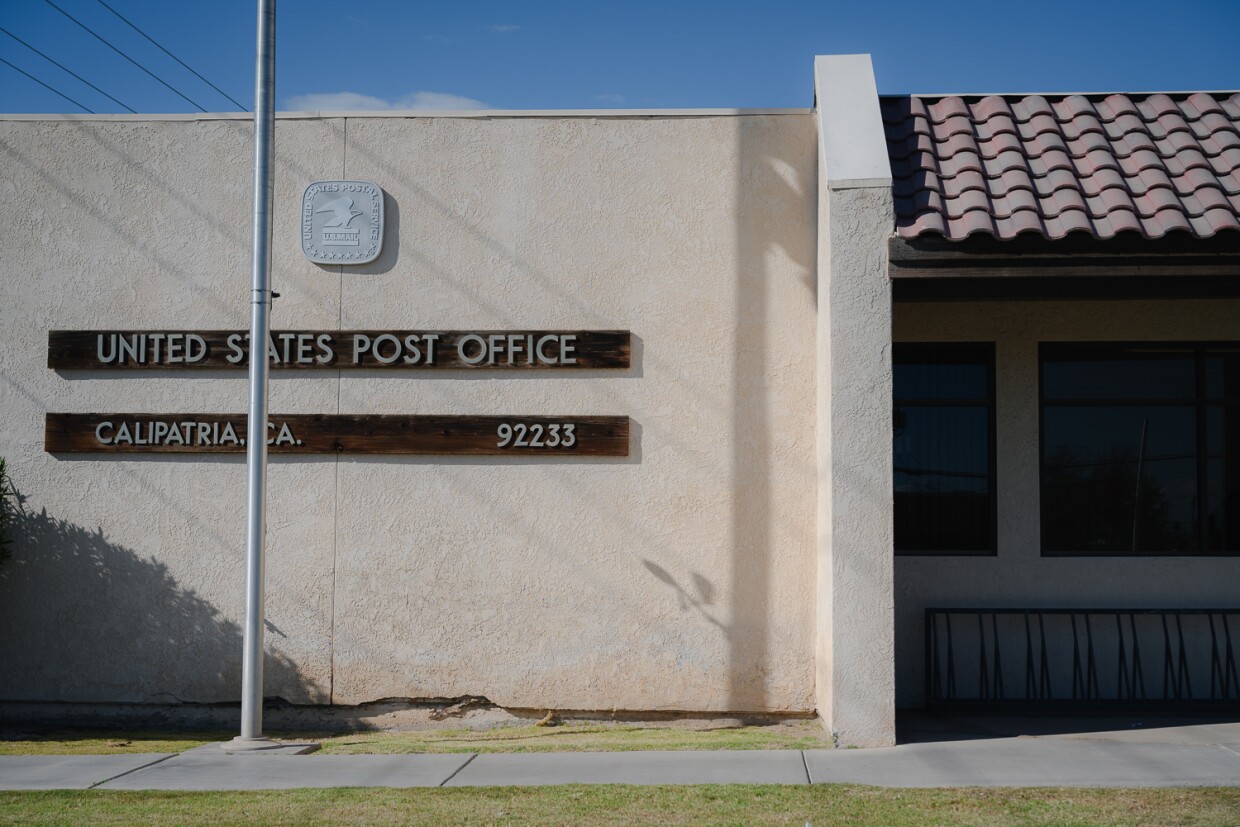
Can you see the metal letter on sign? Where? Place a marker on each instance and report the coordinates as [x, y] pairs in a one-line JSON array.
[[342, 222]]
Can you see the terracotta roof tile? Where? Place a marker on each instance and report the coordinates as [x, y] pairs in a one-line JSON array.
[[976, 221], [1198, 106], [1110, 200], [1014, 202], [1155, 106], [1057, 179], [1053, 165], [954, 125], [1228, 161], [1152, 179], [1209, 123], [947, 108], [1123, 221], [1001, 124], [1086, 124], [1219, 142], [1180, 141], [1113, 107], [1204, 200], [1130, 142], [1170, 222], [1002, 142], [1090, 141], [1072, 107], [1195, 179], [991, 107], [1127, 123]]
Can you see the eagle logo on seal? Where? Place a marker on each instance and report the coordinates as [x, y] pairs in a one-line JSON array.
[[342, 210]]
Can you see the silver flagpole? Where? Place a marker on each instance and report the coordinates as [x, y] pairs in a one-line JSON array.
[[251, 736]]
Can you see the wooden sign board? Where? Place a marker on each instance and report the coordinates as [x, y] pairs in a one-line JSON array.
[[495, 436], [337, 349]]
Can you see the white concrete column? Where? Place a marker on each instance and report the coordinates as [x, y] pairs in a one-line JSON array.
[[855, 690]]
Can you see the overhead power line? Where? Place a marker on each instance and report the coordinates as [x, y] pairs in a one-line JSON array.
[[122, 54], [45, 86], [65, 68], [174, 57]]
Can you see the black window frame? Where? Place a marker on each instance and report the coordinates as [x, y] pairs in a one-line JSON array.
[[1200, 402], [987, 351]]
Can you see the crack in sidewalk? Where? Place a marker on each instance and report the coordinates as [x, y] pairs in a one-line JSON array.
[[135, 769], [457, 771]]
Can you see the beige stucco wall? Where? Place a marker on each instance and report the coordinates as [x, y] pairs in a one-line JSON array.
[[1019, 576], [681, 578], [855, 681]]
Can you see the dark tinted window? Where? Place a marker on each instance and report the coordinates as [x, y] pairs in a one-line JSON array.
[[1223, 374], [944, 448], [954, 378], [1140, 446]]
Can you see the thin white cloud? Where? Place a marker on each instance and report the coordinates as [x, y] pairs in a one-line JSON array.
[[438, 100], [438, 38], [352, 101], [501, 28]]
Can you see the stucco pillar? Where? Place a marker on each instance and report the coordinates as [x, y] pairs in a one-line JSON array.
[[855, 674]]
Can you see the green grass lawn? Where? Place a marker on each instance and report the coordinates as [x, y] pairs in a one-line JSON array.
[[592, 737], [102, 742], [595, 737], [616, 805]]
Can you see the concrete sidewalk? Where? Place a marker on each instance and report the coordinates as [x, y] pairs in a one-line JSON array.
[[1193, 755]]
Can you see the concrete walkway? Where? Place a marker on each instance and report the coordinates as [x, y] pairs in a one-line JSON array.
[[1188, 755]]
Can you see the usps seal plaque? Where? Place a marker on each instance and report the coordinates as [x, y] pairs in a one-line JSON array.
[[342, 222]]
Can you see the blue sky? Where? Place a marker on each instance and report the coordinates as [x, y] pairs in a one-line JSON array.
[[585, 54]]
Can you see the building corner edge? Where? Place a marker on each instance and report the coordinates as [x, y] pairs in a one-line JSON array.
[[854, 618]]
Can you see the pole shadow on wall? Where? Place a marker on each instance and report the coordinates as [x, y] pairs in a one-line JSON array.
[[114, 626]]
